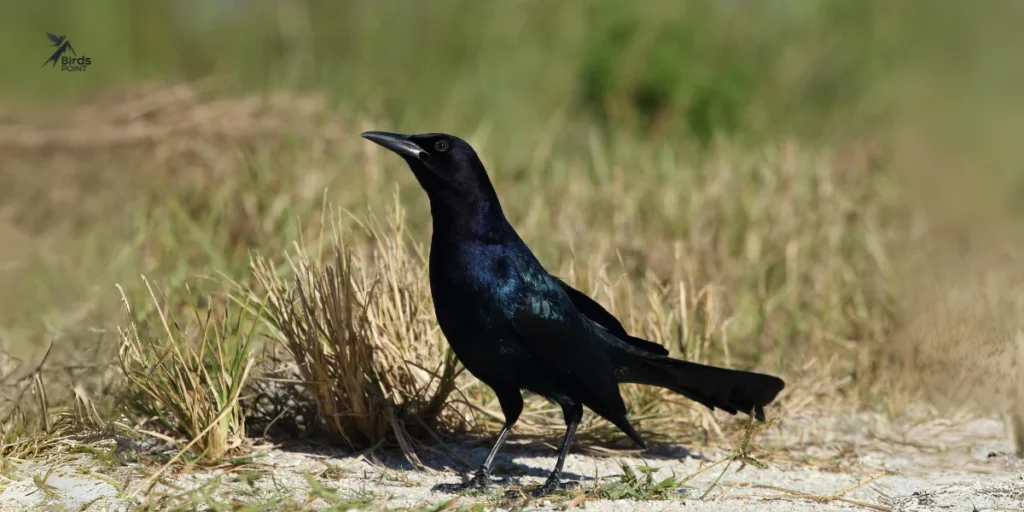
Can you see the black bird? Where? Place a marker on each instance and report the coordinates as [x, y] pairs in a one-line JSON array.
[[515, 326]]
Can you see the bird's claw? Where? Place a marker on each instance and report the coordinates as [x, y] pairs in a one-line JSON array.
[[481, 480], [552, 485]]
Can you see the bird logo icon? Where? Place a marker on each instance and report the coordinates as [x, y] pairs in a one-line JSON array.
[[62, 44]]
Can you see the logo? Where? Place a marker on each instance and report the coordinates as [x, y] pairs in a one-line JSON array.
[[74, 62]]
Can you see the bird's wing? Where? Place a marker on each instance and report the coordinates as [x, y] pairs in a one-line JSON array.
[[597, 314], [553, 331], [53, 38]]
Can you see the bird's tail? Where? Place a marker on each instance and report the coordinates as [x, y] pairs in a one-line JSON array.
[[730, 390]]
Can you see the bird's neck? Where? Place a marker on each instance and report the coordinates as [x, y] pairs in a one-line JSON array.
[[482, 218]]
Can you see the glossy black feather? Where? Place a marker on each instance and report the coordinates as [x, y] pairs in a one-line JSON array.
[[549, 326], [597, 314]]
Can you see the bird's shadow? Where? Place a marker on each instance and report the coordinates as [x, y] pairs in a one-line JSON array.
[[464, 455]]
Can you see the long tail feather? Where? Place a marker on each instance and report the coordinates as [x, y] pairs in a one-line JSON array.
[[730, 390]]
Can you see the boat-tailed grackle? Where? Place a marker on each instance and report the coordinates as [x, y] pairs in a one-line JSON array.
[[515, 326]]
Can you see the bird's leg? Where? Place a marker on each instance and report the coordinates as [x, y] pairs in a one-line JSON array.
[[554, 481], [573, 415], [511, 406], [482, 478]]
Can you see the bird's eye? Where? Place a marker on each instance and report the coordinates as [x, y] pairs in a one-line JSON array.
[[441, 145]]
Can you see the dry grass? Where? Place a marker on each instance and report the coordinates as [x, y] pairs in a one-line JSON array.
[[360, 328], [187, 378], [962, 341]]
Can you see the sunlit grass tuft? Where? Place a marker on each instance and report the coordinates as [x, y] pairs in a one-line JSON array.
[[186, 376], [360, 327]]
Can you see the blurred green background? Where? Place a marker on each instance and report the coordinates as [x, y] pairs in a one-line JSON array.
[[696, 67], [786, 147]]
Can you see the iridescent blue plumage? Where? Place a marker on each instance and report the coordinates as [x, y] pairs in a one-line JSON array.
[[515, 326]]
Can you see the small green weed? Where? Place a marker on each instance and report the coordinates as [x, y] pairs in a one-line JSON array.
[[638, 484]]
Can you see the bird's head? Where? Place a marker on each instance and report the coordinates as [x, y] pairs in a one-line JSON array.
[[446, 166]]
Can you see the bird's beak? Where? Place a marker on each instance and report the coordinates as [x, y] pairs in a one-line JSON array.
[[398, 143]]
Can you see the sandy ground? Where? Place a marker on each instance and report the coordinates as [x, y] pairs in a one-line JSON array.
[[959, 464]]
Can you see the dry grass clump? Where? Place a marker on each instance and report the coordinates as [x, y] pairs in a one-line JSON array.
[[26, 426], [360, 327], [187, 377], [962, 339]]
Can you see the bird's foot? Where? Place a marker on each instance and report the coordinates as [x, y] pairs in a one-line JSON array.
[[552, 485], [481, 480]]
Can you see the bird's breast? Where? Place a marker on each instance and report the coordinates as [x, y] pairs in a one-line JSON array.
[[476, 272]]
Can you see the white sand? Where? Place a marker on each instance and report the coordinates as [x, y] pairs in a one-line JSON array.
[[953, 465]]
